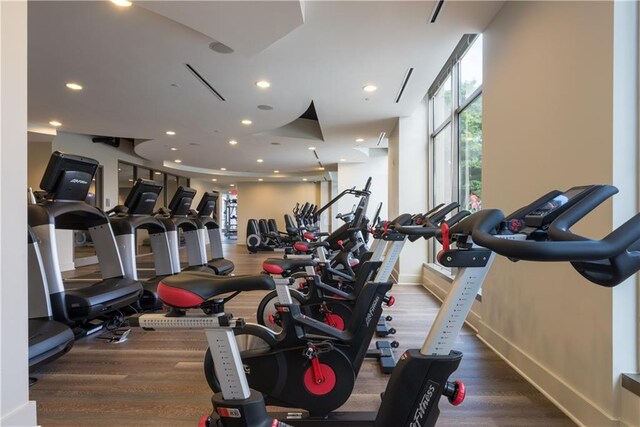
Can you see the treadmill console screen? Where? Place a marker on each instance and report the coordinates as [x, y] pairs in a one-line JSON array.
[[142, 197], [68, 177], [181, 202], [207, 204], [551, 209]]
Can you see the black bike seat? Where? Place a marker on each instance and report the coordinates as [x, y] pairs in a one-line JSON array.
[[192, 289], [286, 266]]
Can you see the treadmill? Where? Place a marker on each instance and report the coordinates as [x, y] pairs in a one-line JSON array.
[[205, 216], [48, 339], [192, 230], [137, 214], [66, 181]]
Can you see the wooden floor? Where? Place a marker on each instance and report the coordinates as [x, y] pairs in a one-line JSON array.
[[156, 378]]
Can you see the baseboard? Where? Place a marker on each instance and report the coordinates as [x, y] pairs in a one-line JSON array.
[[576, 406], [409, 279], [23, 416], [67, 266]]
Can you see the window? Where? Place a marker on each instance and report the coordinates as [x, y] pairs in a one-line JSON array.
[[128, 173], [455, 141]]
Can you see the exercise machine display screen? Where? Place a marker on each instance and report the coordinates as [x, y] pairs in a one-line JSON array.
[[181, 202], [68, 177], [551, 209], [142, 197], [207, 204]]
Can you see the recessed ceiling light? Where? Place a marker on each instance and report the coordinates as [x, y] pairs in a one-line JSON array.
[[321, 168], [305, 179], [174, 149], [55, 123], [360, 140], [232, 185], [223, 169], [121, 3], [170, 132], [233, 142], [276, 171], [73, 86], [260, 179], [259, 160], [312, 148], [220, 48], [343, 160], [246, 122], [369, 88], [119, 169], [214, 179], [130, 179], [178, 161], [263, 84]]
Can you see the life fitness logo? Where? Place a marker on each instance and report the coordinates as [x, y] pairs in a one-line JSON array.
[[425, 403], [78, 181], [372, 309]]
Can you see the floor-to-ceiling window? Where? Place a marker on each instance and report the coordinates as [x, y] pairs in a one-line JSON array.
[[455, 130]]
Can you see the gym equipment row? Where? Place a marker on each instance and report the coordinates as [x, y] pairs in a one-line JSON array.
[[61, 310], [312, 366]]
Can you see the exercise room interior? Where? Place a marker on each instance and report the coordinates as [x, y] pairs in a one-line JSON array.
[[316, 177]]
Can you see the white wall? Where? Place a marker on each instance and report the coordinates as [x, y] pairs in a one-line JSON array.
[[408, 186], [356, 174], [548, 105], [271, 200], [15, 408]]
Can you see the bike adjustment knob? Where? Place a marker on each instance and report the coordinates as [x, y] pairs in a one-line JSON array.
[[455, 392]]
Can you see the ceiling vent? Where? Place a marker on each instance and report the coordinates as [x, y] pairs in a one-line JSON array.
[[202, 80], [405, 80], [436, 11], [381, 138]]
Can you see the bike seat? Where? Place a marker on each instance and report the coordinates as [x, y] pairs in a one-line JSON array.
[[309, 246], [286, 266], [192, 289]]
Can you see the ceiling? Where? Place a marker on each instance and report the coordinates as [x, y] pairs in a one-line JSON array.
[[131, 64]]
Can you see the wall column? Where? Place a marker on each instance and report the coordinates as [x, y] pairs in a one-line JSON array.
[[15, 408], [408, 186]]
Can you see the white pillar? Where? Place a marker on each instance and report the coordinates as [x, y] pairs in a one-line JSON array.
[[15, 407], [408, 186]]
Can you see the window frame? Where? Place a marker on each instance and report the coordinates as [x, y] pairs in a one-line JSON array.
[[452, 69]]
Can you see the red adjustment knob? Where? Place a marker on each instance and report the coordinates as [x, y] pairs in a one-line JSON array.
[[459, 394], [272, 319], [390, 300], [204, 421], [444, 229], [340, 243]]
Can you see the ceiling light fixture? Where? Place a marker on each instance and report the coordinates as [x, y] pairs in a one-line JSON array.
[[233, 142], [343, 160], [305, 179], [360, 140], [174, 149], [178, 161], [312, 148], [246, 122], [321, 168], [259, 160], [122, 3], [73, 86], [170, 132], [260, 179], [263, 84], [276, 171], [369, 88], [214, 179], [232, 185], [223, 169], [55, 123]]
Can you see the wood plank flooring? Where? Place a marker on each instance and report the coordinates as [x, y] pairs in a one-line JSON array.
[[156, 378]]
